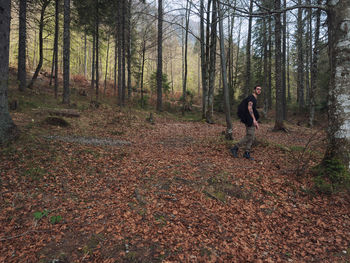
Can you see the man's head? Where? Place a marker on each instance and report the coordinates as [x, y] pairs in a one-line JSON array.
[[257, 90]]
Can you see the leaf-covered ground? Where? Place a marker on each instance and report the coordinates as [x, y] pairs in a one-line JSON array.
[[174, 194]]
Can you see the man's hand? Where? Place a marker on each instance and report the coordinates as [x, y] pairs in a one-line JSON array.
[[256, 124]]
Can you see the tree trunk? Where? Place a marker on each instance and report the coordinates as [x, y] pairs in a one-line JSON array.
[[8, 130], [339, 93], [123, 45], [269, 68], [22, 45], [55, 47], [203, 62], [247, 87], [41, 50], [160, 59], [266, 102], [142, 69], [278, 73], [93, 71], [237, 56], [128, 49], [300, 62], [106, 73], [97, 25], [314, 67], [284, 47], [66, 52], [184, 83], [224, 76], [212, 65]]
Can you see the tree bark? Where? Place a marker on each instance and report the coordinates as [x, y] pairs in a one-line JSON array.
[[8, 130], [278, 73], [212, 65], [300, 62], [224, 76], [339, 93], [203, 62], [22, 45], [247, 87], [160, 57], [97, 25], [66, 53]]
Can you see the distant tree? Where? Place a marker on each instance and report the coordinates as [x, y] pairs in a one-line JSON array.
[[247, 86], [8, 130]]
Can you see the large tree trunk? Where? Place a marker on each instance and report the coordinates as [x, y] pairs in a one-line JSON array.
[[278, 73], [339, 93], [160, 57], [247, 87], [8, 130], [212, 65], [22, 45], [41, 48], [224, 76]]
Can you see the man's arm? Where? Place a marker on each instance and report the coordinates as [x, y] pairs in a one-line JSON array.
[[251, 112]]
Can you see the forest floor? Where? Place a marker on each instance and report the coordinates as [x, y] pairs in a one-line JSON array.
[[171, 192]]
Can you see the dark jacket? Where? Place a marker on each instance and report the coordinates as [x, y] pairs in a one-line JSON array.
[[243, 112]]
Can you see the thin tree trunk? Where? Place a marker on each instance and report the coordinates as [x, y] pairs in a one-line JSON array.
[[300, 81], [22, 45], [85, 54], [237, 56], [93, 71], [314, 66], [203, 61], [66, 52], [142, 70], [184, 84], [278, 73], [41, 49], [97, 24], [284, 47], [248, 47], [128, 50], [106, 73], [212, 65], [269, 88], [224, 77], [57, 28], [160, 59]]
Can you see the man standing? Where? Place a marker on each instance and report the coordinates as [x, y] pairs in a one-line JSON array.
[[249, 116]]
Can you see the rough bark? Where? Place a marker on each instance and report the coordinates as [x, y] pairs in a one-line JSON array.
[[22, 45], [8, 130], [203, 62], [97, 27], [339, 93]]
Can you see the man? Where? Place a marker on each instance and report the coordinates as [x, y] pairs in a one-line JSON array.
[[249, 116]]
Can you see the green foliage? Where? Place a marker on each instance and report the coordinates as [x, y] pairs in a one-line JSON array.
[[55, 219], [331, 176], [165, 83], [144, 101], [39, 215], [34, 173]]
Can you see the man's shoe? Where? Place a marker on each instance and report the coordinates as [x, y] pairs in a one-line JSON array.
[[247, 155], [234, 151]]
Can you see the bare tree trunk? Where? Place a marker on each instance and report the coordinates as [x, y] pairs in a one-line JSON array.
[[123, 45], [106, 73], [266, 102], [314, 66], [203, 62], [115, 66], [8, 130], [142, 70], [97, 25], [212, 66], [224, 77], [339, 106], [128, 49], [93, 71], [284, 47], [22, 45], [278, 73], [247, 87], [289, 98], [85, 54], [184, 84], [57, 28], [269, 68], [160, 57], [66, 52], [41, 55], [300, 81], [237, 56]]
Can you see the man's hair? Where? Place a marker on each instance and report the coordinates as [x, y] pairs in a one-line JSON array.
[[256, 86]]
